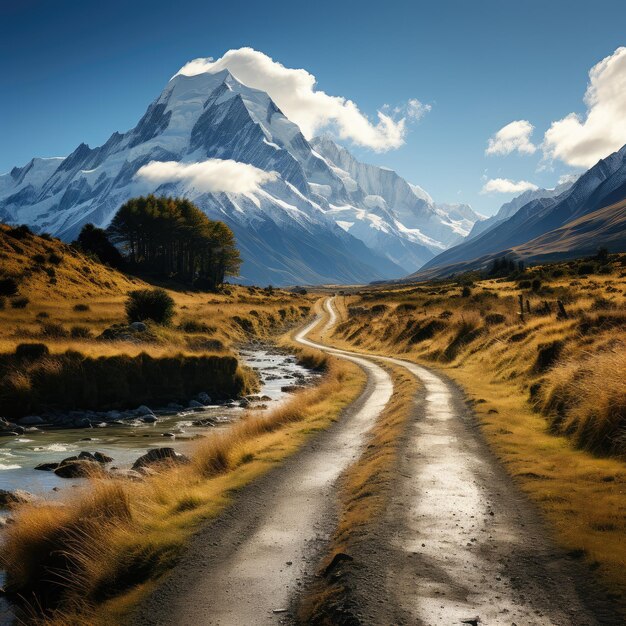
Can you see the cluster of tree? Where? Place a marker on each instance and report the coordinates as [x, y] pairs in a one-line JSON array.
[[95, 241], [503, 266], [169, 237]]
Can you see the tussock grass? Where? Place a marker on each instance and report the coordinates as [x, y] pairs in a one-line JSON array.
[[552, 390], [106, 545]]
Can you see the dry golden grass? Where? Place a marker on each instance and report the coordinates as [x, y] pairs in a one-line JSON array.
[[551, 390], [107, 544], [60, 291]]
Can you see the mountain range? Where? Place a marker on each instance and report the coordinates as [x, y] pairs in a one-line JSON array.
[[318, 216], [581, 218]]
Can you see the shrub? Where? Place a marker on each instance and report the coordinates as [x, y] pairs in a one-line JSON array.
[[586, 268], [42, 315], [81, 308], [39, 258], [150, 304], [466, 292], [192, 326], [31, 351], [20, 232], [495, 318], [3, 303], [53, 330], [20, 303], [80, 332], [8, 287], [536, 285]]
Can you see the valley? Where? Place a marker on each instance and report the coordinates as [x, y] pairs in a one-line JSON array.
[[252, 373]]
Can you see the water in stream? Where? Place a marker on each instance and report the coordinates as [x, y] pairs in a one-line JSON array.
[[125, 443]]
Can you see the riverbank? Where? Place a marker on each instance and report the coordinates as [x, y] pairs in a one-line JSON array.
[[146, 524]]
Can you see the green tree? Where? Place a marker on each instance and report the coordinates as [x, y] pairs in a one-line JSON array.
[[174, 238]]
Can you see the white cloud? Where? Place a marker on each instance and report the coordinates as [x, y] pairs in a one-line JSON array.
[[512, 137], [582, 140], [568, 178], [416, 110], [294, 92], [214, 175], [504, 185]]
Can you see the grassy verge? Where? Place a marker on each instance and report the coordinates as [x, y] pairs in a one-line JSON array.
[[364, 495], [92, 558], [549, 391]]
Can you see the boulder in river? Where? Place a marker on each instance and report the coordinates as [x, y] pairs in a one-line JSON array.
[[194, 404], [81, 468], [10, 498], [149, 419], [47, 467], [159, 455], [204, 398], [30, 420], [143, 410]]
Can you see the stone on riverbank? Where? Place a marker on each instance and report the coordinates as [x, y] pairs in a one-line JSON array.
[[159, 455]]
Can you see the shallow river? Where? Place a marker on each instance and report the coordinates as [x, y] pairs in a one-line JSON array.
[[125, 443]]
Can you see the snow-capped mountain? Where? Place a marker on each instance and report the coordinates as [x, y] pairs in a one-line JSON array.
[[320, 217], [508, 209], [544, 220]]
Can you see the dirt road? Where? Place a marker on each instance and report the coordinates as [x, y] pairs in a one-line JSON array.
[[459, 541], [245, 567]]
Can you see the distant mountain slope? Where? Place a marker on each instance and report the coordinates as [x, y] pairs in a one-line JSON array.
[[389, 214], [604, 184], [583, 236], [320, 217], [509, 209]]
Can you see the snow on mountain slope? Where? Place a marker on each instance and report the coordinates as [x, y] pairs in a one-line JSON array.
[[320, 217], [601, 186], [510, 208]]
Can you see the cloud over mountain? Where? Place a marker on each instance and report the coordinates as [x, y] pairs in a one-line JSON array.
[[295, 93], [504, 185], [211, 176]]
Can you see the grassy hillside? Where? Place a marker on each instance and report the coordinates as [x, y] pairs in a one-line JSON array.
[[74, 305], [549, 389]]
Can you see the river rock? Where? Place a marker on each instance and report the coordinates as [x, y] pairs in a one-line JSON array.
[[159, 455], [47, 467], [10, 498], [149, 419], [83, 422], [131, 474], [204, 398], [138, 327], [102, 458], [30, 420], [174, 406], [194, 404], [78, 469], [112, 415], [143, 410]]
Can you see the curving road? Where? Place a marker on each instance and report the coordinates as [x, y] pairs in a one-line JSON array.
[[458, 542], [245, 568]]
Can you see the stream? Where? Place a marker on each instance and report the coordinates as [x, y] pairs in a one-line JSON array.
[[127, 442]]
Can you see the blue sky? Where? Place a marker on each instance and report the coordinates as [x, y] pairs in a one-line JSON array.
[[77, 71]]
